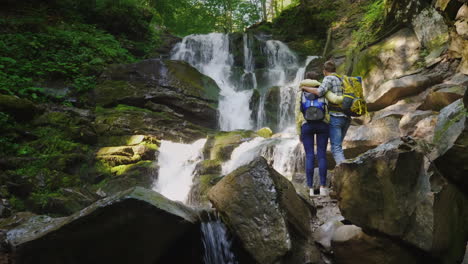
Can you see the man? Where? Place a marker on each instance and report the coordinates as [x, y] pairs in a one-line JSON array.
[[339, 121]]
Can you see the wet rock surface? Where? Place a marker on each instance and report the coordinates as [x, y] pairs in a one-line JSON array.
[[263, 210], [137, 225]]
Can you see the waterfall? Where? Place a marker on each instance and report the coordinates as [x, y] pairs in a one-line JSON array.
[[216, 243], [210, 55], [177, 163], [288, 95], [284, 153], [279, 67]]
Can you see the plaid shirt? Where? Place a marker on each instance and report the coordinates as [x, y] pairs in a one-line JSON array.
[[333, 84]]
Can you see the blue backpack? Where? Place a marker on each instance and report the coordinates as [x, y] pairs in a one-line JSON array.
[[312, 108]]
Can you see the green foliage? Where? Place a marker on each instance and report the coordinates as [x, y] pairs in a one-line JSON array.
[[47, 164], [73, 53], [17, 204], [300, 21], [370, 24]]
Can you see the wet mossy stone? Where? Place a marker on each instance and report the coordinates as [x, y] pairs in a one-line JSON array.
[[265, 132], [20, 109], [225, 142], [148, 78], [70, 124], [142, 173], [142, 222], [126, 120]]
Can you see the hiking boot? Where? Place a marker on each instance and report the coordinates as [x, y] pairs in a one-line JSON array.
[[324, 191]]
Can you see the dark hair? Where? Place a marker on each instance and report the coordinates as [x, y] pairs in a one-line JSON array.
[[329, 66], [312, 75]]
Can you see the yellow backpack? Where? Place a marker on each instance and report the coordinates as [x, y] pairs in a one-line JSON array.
[[353, 98]]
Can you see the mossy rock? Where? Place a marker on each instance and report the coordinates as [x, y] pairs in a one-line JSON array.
[[200, 188], [307, 47], [265, 132], [70, 125], [21, 109], [225, 142], [142, 173], [65, 201], [209, 167], [146, 78], [126, 120]]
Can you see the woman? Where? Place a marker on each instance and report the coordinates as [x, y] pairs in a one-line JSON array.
[[314, 131]]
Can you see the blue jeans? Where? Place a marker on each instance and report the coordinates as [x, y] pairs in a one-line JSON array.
[[338, 127], [308, 133]]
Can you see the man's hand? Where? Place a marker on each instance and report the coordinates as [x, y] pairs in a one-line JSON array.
[[310, 90]]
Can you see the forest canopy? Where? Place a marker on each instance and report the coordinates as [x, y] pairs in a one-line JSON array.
[[184, 17]]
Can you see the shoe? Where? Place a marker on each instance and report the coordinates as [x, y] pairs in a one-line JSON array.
[[324, 191], [311, 192]]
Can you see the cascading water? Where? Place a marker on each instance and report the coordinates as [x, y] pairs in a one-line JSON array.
[[288, 95], [210, 55], [177, 163], [284, 154], [217, 245]]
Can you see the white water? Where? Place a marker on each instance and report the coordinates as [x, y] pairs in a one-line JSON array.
[[288, 96], [177, 163], [216, 243], [210, 55], [284, 153]]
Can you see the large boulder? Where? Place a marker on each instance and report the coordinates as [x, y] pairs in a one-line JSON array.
[[389, 59], [367, 136], [392, 91], [404, 198], [263, 210], [135, 226], [452, 140], [174, 84]]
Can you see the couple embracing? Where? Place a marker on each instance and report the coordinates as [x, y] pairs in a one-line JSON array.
[[331, 122]]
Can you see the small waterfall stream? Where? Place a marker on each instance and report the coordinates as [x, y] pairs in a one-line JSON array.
[[217, 244], [177, 164]]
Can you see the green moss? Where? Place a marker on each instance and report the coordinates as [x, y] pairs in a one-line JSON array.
[[307, 46], [192, 81], [124, 108], [438, 42], [122, 169], [209, 167], [265, 132], [439, 134], [225, 142]]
